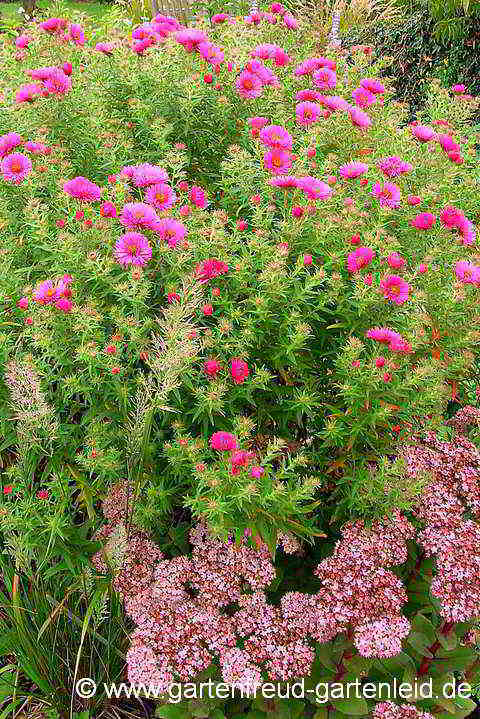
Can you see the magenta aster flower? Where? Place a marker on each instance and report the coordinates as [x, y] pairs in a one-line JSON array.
[[424, 221], [389, 194], [37, 148], [171, 231], [335, 102], [352, 170], [161, 196], [57, 82], [82, 189], [8, 142], [133, 248], [309, 95], [283, 181], [77, 34], [363, 97], [277, 161], [290, 21], [16, 167], [424, 133], [108, 209], [248, 85], [209, 269], [325, 79], [467, 273], [451, 217], [372, 85], [359, 258], [395, 289], [306, 113], [393, 166], [146, 174], [360, 118], [138, 214], [22, 41], [45, 293], [198, 196], [276, 136], [314, 189], [447, 143], [105, 47], [211, 53], [223, 441], [256, 123], [395, 261], [468, 232], [239, 371], [53, 24], [27, 93]]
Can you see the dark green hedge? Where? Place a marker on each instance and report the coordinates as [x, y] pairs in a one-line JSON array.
[[419, 55]]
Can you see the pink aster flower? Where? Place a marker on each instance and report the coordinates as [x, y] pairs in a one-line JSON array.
[[27, 93], [281, 58], [57, 82], [198, 197], [77, 34], [467, 273], [306, 113], [278, 8], [223, 441], [105, 47], [290, 21], [212, 367], [458, 88], [45, 293], [467, 232], [309, 95], [424, 133], [248, 85], [277, 161], [37, 148], [423, 221], [161, 196], [63, 304], [395, 261], [372, 85], [257, 472], [209, 269], [256, 123], [132, 248], [325, 79], [388, 194], [283, 181], [108, 209], [219, 17], [53, 24], [395, 289], [389, 337], [314, 189], [393, 166], [352, 170], [447, 143], [335, 102], [82, 189], [414, 200], [138, 214], [22, 41], [276, 136], [16, 167], [8, 142], [359, 258], [239, 371], [171, 231], [451, 217], [363, 97], [360, 118], [146, 174]]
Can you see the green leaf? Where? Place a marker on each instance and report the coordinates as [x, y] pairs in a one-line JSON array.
[[355, 706], [419, 641], [171, 711], [325, 655], [421, 625]]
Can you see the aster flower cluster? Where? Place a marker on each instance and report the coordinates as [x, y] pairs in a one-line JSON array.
[[53, 81], [152, 33], [56, 294], [453, 218]]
